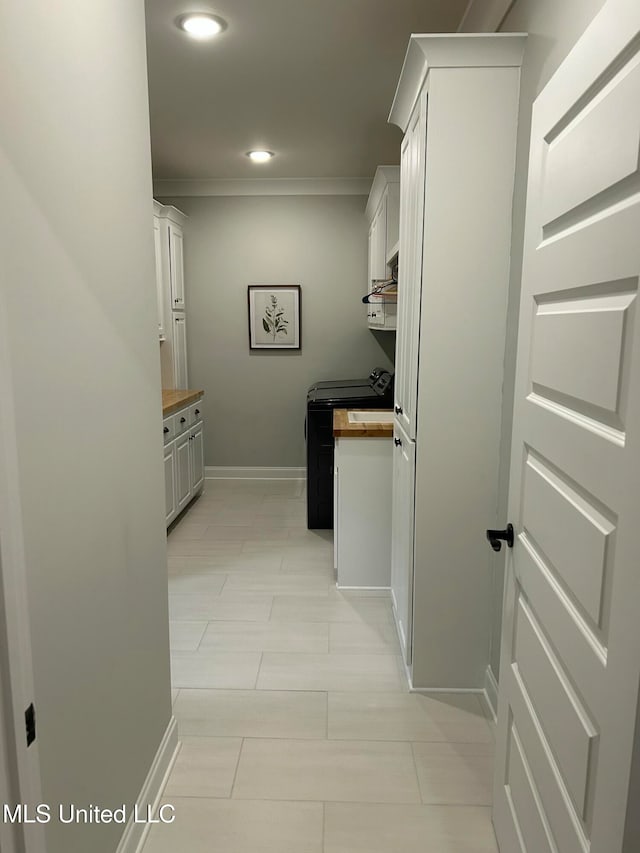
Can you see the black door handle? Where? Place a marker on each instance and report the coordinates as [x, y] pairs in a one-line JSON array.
[[397, 442], [166, 430], [183, 420], [398, 410], [494, 537]]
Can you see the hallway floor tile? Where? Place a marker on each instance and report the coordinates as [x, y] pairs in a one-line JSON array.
[[298, 732]]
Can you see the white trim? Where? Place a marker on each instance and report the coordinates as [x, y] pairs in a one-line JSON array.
[[170, 188], [441, 50], [214, 472], [484, 16], [135, 834], [361, 588], [384, 176], [491, 693], [168, 211], [477, 691], [15, 628]]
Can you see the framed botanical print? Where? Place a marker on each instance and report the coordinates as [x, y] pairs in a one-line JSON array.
[[274, 316]]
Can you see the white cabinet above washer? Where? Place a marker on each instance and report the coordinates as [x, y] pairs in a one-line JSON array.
[[383, 215]]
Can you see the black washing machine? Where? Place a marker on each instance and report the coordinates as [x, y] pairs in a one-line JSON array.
[[374, 392]]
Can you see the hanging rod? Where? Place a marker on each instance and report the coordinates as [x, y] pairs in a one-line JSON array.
[[379, 289]]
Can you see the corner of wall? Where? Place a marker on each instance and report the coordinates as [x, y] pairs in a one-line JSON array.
[[484, 16]]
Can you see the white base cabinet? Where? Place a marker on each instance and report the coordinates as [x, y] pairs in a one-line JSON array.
[[170, 481], [402, 514], [362, 512], [183, 458]]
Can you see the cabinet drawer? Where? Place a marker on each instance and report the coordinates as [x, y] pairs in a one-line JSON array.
[[181, 420], [169, 428], [195, 412]]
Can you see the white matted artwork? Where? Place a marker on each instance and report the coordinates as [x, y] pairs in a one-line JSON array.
[[274, 316]]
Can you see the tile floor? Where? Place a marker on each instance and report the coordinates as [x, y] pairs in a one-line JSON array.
[[298, 732]]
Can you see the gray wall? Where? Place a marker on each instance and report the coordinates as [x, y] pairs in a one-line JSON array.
[[255, 401], [553, 27], [78, 289]]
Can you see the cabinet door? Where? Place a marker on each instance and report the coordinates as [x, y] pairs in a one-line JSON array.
[[176, 262], [170, 481], [402, 513], [377, 264], [180, 372], [157, 240], [380, 242], [197, 459], [412, 200], [183, 471], [336, 504]]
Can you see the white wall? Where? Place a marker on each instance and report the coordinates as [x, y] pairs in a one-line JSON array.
[[553, 28], [78, 289], [255, 401]]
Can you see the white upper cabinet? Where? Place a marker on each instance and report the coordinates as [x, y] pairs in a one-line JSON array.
[[169, 252], [382, 213], [160, 294]]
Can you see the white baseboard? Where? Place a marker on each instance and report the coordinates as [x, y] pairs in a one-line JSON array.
[[135, 834], [478, 691], [491, 693], [213, 472], [364, 588]]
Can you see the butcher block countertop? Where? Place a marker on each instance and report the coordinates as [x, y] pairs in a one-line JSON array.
[[343, 429], [176, 399]]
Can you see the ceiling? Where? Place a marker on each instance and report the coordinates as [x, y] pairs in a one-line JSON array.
[[311, 80]]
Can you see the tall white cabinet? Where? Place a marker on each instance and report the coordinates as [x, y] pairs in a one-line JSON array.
[[457, 104], [168, 225]]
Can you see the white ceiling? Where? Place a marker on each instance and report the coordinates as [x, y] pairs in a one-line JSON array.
[[311, 80]]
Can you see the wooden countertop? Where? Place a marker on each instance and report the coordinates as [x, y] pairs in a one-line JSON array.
[[172, 400], [343, 429]]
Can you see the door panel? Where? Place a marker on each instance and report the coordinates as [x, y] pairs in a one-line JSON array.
[[403, 502], [183, 472], [197, 459], [412, 191], [177, 267], [157, 240], [170, 482], [180, 351], [570, 663]]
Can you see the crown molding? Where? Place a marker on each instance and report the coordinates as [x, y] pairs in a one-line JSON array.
[[441, 50], [169, 188]]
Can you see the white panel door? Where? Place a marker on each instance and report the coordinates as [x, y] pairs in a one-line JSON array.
[[180, 373], [176, 261], [402, 512], [183, 471], [197, 458], [571, 631], [412, 192]]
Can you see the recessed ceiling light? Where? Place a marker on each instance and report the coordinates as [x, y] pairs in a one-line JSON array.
[[201, 26], [260, 156]]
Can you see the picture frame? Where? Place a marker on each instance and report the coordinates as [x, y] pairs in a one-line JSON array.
[[275, 316]]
